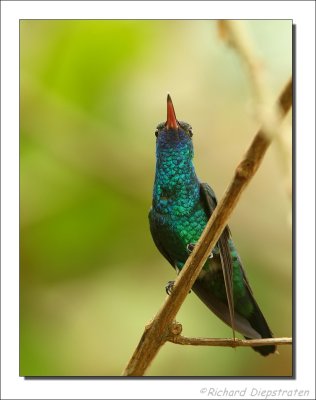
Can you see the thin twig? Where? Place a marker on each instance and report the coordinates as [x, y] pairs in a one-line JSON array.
[[159, 329], [176, 337], [229, 342]]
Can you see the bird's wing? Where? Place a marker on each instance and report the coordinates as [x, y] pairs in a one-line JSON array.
[[255, 326], [155, 235], [210, 202]]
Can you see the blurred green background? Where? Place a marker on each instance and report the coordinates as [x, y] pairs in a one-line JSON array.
[[91, 95]]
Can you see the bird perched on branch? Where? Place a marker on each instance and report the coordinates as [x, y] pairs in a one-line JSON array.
[[181, 207]]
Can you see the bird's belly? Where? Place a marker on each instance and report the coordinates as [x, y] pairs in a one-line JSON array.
[[176, 232]]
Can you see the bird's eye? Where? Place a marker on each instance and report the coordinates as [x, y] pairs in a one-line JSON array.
[[190, 132], [156, 132]]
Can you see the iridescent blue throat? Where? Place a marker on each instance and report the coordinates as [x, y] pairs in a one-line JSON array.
[[176, 188]]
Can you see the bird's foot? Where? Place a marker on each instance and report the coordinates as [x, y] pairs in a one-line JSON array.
[[190, 248], [169, 287]]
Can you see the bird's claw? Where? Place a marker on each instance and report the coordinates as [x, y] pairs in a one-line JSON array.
[[190, 248], [169, 287]]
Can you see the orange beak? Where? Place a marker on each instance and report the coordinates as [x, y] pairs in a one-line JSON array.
[[171, 115]]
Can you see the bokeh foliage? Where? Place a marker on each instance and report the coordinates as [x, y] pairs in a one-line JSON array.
[[91, 95]]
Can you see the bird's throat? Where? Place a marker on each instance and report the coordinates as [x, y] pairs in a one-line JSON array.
[[176, 188]]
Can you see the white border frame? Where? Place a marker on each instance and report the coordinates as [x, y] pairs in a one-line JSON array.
[[303, 14]]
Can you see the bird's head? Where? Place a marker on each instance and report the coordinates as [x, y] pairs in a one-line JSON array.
[[173, 134]]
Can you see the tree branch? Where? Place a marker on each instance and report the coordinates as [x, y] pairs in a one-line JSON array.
[[159, 329]]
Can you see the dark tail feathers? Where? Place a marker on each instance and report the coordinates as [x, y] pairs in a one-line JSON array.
[[258, 322]]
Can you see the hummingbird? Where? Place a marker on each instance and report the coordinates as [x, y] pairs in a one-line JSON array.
[[181, 207]]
